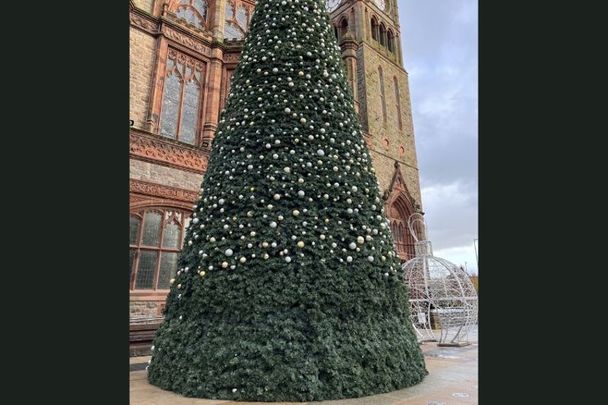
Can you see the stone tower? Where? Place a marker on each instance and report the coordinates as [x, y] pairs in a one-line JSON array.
[[369, 34]]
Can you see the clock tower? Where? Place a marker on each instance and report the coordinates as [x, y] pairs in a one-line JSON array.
[[369, 34]]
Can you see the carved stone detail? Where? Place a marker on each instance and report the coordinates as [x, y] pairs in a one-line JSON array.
[[155, 149], [143, 23], [185, 40], [162, 191], [231, 57]]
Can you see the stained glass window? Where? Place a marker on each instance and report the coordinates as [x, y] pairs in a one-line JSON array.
[[190, 111], [171, 235], [151, 235], [241, 16], [180, 108], [154, 250], [170, 104], [193, 11], [232, 31], [132, 255], [238, 17], [134, 223], [146, 270], [168, 268]]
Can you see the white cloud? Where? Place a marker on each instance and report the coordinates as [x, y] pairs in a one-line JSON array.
[[450, 214], [440, 53]]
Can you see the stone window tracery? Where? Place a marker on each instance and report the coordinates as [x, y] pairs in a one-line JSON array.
[[238, 17], [182, 96], [193, 11]]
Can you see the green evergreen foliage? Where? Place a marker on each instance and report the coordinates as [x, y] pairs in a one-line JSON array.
[[288, 286]]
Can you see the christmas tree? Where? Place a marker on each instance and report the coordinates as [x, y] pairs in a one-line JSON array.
[[288, 286]]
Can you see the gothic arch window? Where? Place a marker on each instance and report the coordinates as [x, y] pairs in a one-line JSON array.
[[343, 28], [375, 29], [193, 11], [382, 34], [155, 239], [390, 41], [398, 102], [382, 97], [238, 16], [182, 97]]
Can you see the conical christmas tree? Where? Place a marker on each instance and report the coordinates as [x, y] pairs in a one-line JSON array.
[[288, 286]]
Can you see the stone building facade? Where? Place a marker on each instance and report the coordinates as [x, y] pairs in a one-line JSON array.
[[182, 56]]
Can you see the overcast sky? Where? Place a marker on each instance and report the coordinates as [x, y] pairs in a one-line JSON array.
[[439, 39]]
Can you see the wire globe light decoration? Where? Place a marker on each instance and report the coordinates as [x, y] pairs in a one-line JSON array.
[[441, 294]]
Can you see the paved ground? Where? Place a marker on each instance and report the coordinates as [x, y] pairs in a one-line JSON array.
[[452, 380]]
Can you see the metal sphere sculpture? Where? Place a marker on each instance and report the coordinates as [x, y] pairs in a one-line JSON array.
[[441, 294]]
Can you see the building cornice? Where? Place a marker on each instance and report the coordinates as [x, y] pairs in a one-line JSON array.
[[195, 39], [162, 191]]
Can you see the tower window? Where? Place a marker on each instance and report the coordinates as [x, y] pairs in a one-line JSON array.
[[398, 98], [382, 98], [382, 35], [390, 40], [343, 28], [375, 29]]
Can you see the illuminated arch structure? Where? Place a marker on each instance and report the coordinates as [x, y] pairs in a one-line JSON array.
[[441, 294]]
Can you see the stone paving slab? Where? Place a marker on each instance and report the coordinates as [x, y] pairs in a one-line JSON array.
[[452, 380]]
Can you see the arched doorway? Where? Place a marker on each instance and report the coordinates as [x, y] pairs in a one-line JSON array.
[[399, 206], [398, 214]]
